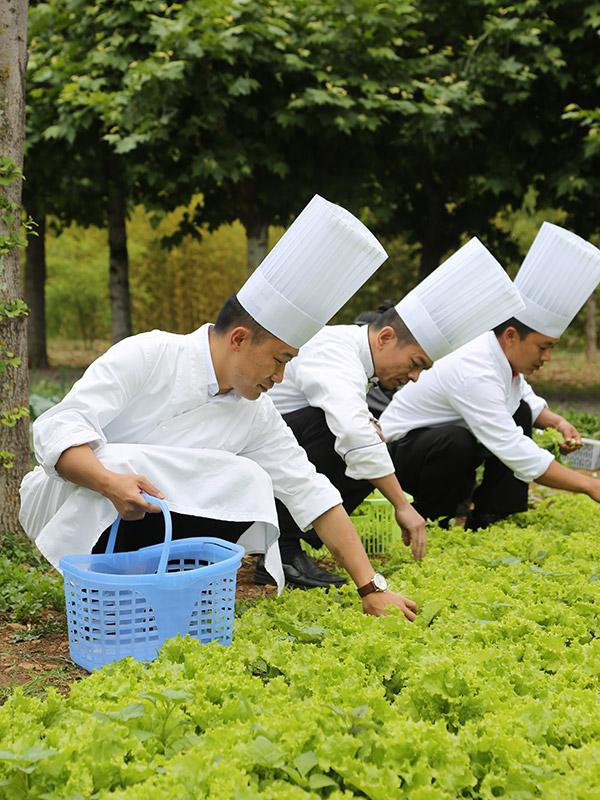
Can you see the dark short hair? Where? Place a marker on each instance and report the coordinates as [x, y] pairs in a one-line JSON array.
[[395, 321], [232, 314], [366, 317], [522, 329]]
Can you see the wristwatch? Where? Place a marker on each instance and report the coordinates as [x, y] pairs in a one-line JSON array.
[[377, 584]]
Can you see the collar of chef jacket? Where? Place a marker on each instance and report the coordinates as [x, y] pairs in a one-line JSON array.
[[203, 376], [211, 376], [194, 375], [365, 355], [506, 370]]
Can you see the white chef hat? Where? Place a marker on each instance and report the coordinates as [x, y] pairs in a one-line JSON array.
[[467, 295], [559, 273], [322, 259]]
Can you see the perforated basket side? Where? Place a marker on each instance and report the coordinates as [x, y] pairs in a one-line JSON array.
[[586, 457], [213, 612], [107, 624], [376, 526]]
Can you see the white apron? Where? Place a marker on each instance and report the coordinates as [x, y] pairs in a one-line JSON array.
[[63, 519]]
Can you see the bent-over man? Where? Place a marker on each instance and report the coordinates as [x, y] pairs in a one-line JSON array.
[[475, 406], [323, 395]]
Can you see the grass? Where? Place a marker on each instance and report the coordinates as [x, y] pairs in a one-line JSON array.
[[568, 372], [73, 354], [568, 375], [33, 648]]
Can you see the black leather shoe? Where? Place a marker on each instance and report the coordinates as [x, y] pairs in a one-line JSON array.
[[301, 572]]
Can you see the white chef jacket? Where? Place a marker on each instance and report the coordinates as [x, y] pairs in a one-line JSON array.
[[333, 372], [149, 405], [474, 387]]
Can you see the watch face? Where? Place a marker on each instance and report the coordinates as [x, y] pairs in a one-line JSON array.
[[379, 582]]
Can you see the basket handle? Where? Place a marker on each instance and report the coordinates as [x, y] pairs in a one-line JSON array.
[[164, 556]]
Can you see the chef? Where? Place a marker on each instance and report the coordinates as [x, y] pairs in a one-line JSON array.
[[187, 418], [323, 394], [475, 406]]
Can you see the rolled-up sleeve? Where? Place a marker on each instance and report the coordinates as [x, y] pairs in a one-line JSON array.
[[306, 493], [480, 401], [97, 398], [333, 380]]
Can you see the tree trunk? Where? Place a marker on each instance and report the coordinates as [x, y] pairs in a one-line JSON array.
[[433, 245], [257, 233], [432, 251], [35, 283], [120, 301], [591, 334], [14, 438]]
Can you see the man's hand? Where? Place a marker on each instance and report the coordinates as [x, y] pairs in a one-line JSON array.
[[594, 489], [570, 434], [413, 528], [123, 490], [81, 466], [378, 603]]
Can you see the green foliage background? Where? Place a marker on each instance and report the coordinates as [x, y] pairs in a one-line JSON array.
[[431, 120], [181, 287]]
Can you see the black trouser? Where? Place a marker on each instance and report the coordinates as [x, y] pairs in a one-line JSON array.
[[310, 429], [151, 530], [437, 466]]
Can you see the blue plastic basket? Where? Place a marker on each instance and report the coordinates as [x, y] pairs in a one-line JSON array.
[[128, 604]]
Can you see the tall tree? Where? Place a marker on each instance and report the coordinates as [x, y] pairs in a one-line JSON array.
[[64, 176], [447, 173], [14, 439], [35, 282], [570, 177], [568, 107], [276, 101], [83, 58]]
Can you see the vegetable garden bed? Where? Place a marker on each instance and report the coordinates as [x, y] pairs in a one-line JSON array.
[[492, 692]]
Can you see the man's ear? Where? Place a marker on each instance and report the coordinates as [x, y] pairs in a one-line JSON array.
[[237, 337], [386, 336]]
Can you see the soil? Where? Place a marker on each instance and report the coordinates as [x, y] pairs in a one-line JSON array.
[[36, 655]]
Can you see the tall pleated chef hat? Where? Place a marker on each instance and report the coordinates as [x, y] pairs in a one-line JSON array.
[[559, 273], [322, 259], [468, 294]]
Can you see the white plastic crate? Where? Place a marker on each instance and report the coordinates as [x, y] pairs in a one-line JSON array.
[[585, 457], [376, 527], [375, 523]]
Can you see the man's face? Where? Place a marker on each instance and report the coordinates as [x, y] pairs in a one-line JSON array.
[[529, 354], [397, 364], [258, 362]]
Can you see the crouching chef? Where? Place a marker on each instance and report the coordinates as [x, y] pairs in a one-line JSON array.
[[475, 405], [187, 418], [323, 394]]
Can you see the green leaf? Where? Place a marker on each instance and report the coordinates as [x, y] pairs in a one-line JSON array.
[[305, 762], [317, 780], [430, 611]]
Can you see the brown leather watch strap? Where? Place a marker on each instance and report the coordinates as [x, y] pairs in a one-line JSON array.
[[368, 588]]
